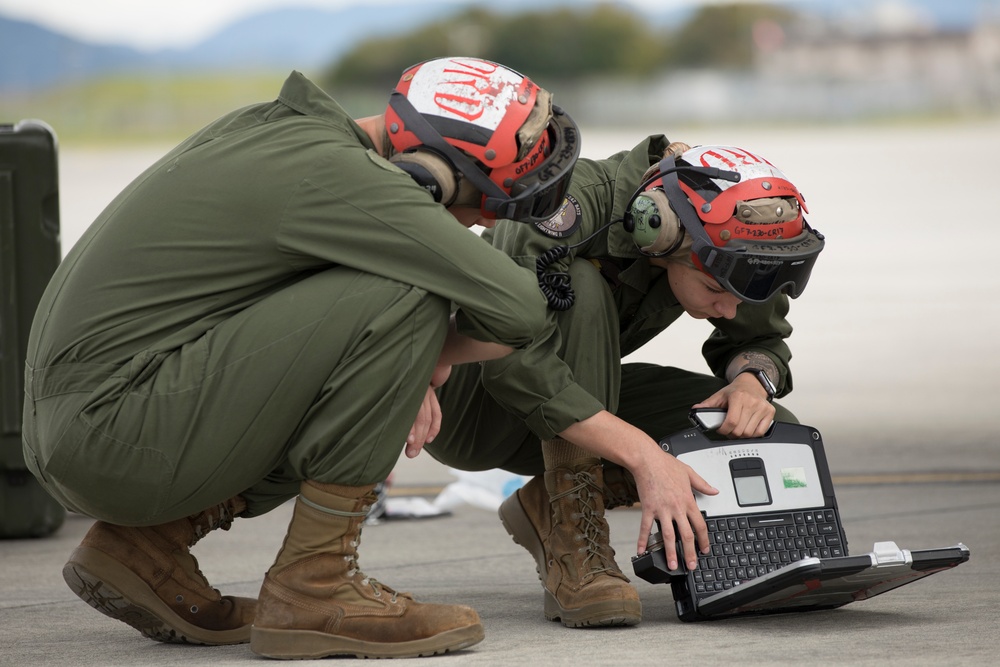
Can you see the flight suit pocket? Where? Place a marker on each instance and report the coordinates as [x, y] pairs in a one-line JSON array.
[[105, 477]]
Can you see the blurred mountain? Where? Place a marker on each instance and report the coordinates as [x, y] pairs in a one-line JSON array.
[[33, 57], [303, 37]]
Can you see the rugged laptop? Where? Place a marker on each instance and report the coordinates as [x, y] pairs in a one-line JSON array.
[[778, 544]]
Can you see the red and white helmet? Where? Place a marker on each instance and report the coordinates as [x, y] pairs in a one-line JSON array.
[[494, 126], [716, 199], [750, 232], [744, 218]]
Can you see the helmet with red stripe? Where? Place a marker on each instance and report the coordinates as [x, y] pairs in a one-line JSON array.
[[490, 125]]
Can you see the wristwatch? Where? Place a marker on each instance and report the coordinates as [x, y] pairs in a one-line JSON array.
[[764, 381]]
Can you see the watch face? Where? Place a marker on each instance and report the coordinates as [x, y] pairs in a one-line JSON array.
[[764, 380], [768, 385]]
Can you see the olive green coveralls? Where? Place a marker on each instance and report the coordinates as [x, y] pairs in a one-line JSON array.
[[262, 306], [495, 414]]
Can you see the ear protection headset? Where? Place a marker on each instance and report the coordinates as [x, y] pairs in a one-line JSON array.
[[431, 171], [650, 217]]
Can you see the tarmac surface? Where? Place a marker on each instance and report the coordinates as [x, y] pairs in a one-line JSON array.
[[895, 363], [949, 618]]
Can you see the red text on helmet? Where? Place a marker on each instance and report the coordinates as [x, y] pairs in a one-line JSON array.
[[468, 106], [731, 158]]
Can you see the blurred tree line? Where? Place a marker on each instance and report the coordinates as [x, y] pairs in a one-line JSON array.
[[565, 45], [558, 48]]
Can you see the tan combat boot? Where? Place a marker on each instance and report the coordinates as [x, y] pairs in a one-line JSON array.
[[315, 602], [560, 520], [147, 577], [619, 487]]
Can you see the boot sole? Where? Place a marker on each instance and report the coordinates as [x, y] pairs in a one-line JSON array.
[[117, 592], [610, 613], [306, 644]]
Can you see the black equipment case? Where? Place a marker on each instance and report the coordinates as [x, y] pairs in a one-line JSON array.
[[29, 254]]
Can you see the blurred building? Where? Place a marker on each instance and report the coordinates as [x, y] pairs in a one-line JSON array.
[[918, 70], [875, 66]]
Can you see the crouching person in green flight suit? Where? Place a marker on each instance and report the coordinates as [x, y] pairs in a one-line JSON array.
[[647, 235], [258, 317]]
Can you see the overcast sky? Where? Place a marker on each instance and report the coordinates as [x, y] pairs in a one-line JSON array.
[[153, 24]]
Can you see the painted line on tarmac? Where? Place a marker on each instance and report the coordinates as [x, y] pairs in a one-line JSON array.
[[924, 477], [859, 479], [424, 491]]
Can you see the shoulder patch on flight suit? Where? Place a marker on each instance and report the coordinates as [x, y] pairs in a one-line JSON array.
[[382, 162], [564, 222]]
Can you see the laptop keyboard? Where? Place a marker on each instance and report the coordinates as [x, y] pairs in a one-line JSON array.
[[747, 547]]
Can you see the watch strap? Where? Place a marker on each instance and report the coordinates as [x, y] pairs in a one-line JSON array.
[[764, 380]]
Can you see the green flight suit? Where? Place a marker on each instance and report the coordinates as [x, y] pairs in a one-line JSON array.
[[495, 414], [263, 305]]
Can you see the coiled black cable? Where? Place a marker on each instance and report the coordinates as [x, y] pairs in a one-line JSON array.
[[556, 285]]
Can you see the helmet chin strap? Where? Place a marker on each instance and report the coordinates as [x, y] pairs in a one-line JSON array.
[[667, 172], [467, 194], [690, 221]]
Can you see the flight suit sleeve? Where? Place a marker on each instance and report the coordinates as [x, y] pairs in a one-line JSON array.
[[535, 383], [759, 327], [377, 221]]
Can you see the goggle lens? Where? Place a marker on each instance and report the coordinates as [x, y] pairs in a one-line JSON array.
[[756, 273]]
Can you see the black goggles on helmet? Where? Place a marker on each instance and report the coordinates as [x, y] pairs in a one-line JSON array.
[[755, 272], [538, 195], [534, 197]]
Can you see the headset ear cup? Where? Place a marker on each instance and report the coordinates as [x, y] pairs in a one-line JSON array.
[[628, 223], [431, 172], [656, 228]]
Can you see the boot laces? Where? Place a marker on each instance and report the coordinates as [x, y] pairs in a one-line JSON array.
[[219, 517], [353, 569], [591, 524]]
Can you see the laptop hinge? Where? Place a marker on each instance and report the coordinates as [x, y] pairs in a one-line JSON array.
[[887, 553]]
